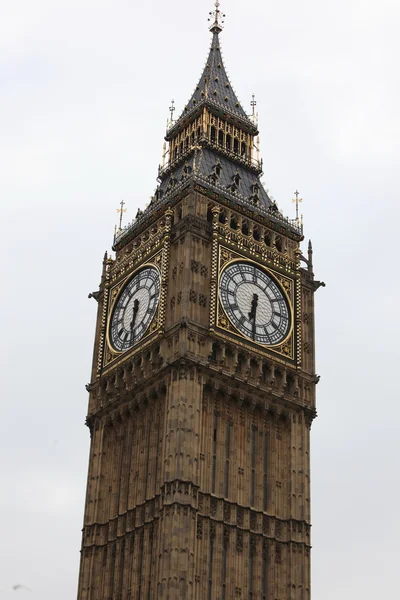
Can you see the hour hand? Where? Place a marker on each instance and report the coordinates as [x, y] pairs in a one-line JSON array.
[[135, 311]]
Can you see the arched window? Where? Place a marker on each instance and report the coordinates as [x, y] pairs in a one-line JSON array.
[[267, 239], [220, 137], [244, 150], [222, 216], [209, 215], [256, 234], [245, 228], [236, 146], [213, 134], [228, 142], [234, 223], [279, 244]]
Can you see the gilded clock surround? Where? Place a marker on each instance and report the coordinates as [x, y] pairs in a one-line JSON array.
[[228, 257], [115, 294]]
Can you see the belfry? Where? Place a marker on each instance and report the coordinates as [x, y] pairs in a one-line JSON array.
[[202, 390]]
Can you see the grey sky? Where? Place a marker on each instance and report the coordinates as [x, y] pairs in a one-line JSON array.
[[85, 91]]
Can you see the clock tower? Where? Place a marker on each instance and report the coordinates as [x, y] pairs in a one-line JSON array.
[[202, 390]]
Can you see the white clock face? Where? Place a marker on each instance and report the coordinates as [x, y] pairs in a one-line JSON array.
[[254, 303], [135, 309]]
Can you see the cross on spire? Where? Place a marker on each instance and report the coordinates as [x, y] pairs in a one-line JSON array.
[[216, 27], [172, 110], [298, 201], [253, 104], [121, 211]]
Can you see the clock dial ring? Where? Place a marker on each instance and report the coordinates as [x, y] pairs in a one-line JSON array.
[[255, 303], [134, 309]]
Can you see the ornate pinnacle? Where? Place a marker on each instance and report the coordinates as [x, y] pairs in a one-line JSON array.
[[297, 200], [218, 16]]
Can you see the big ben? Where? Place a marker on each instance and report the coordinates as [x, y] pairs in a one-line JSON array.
[[202, 389]]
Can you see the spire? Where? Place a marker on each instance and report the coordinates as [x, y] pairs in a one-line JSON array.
[[214, 88]]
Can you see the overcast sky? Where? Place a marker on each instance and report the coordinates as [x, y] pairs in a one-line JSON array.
[[85, 91]]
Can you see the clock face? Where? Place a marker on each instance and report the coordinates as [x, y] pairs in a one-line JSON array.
[[135, 309], [254, 303]]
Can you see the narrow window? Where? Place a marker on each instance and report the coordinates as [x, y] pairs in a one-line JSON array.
[[225, 552], [151, 561], [210, 566], [244, 149], [251, 568], [148, 436], [227, 451], [236, 146], [265, 471], [213, 134], [220, 137], [228, 142], [140, 565], [253, 464], [214, 459], [264, 571]]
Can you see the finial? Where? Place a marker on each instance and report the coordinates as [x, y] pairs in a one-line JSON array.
[[218, 16], [310, 256], [172, 110], [298, 201], [121, 211], [253, 105]]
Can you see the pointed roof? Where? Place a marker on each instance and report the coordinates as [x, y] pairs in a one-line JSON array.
[[214, 83], [214, 88]]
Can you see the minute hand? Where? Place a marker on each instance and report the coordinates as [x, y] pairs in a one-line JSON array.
[[135, 311], [253, 313]]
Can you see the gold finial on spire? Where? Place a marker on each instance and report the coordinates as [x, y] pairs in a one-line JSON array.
[[218, 16], [253, 105], [298, 201], [172, 110], [121, 211], [254, 115]]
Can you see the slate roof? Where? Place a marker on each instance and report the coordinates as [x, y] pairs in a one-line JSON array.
[[214, 86], [204, 164]]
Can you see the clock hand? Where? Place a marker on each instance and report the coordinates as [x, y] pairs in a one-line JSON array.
[[135, 312], [253, 312]]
